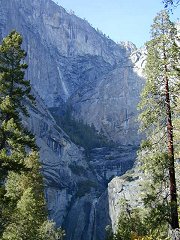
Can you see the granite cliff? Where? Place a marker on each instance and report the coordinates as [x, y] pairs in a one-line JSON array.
[[72, 64]]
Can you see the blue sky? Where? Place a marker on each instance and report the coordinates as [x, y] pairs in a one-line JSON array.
[[122, 20]]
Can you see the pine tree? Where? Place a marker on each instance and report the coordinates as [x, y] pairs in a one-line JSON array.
[[13, 89], [23, 213], [171, 3], [158, 101]]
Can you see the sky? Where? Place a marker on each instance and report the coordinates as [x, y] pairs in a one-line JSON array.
[[121, 20]]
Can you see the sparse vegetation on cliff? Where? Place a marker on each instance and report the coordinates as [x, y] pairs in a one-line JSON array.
[[80, 133]]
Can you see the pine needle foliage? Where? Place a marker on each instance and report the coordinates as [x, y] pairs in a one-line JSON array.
[[158, 118], [23, 213]]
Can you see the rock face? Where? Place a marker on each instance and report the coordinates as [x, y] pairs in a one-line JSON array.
[[110, 162], [70, 63], [128, 187], [70, 60], [110, 102], [53, 39], [112, 105], [71, 187]]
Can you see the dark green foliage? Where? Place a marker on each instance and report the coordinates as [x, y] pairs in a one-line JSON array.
[[25, 205], [131, 224], [13, 89], [158, 106], [17, 145], [80, 133], [156, 160], [137, 224], [23, 213]]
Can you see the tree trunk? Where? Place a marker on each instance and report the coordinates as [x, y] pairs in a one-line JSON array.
[[172, 179]]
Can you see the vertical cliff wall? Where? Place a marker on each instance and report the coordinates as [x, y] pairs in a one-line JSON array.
[[72, 64]]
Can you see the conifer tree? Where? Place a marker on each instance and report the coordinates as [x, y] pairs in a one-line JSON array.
[[23, 213], [158, 101], [171, 3]]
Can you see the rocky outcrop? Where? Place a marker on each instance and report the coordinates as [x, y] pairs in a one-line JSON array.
[[129, 188]]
